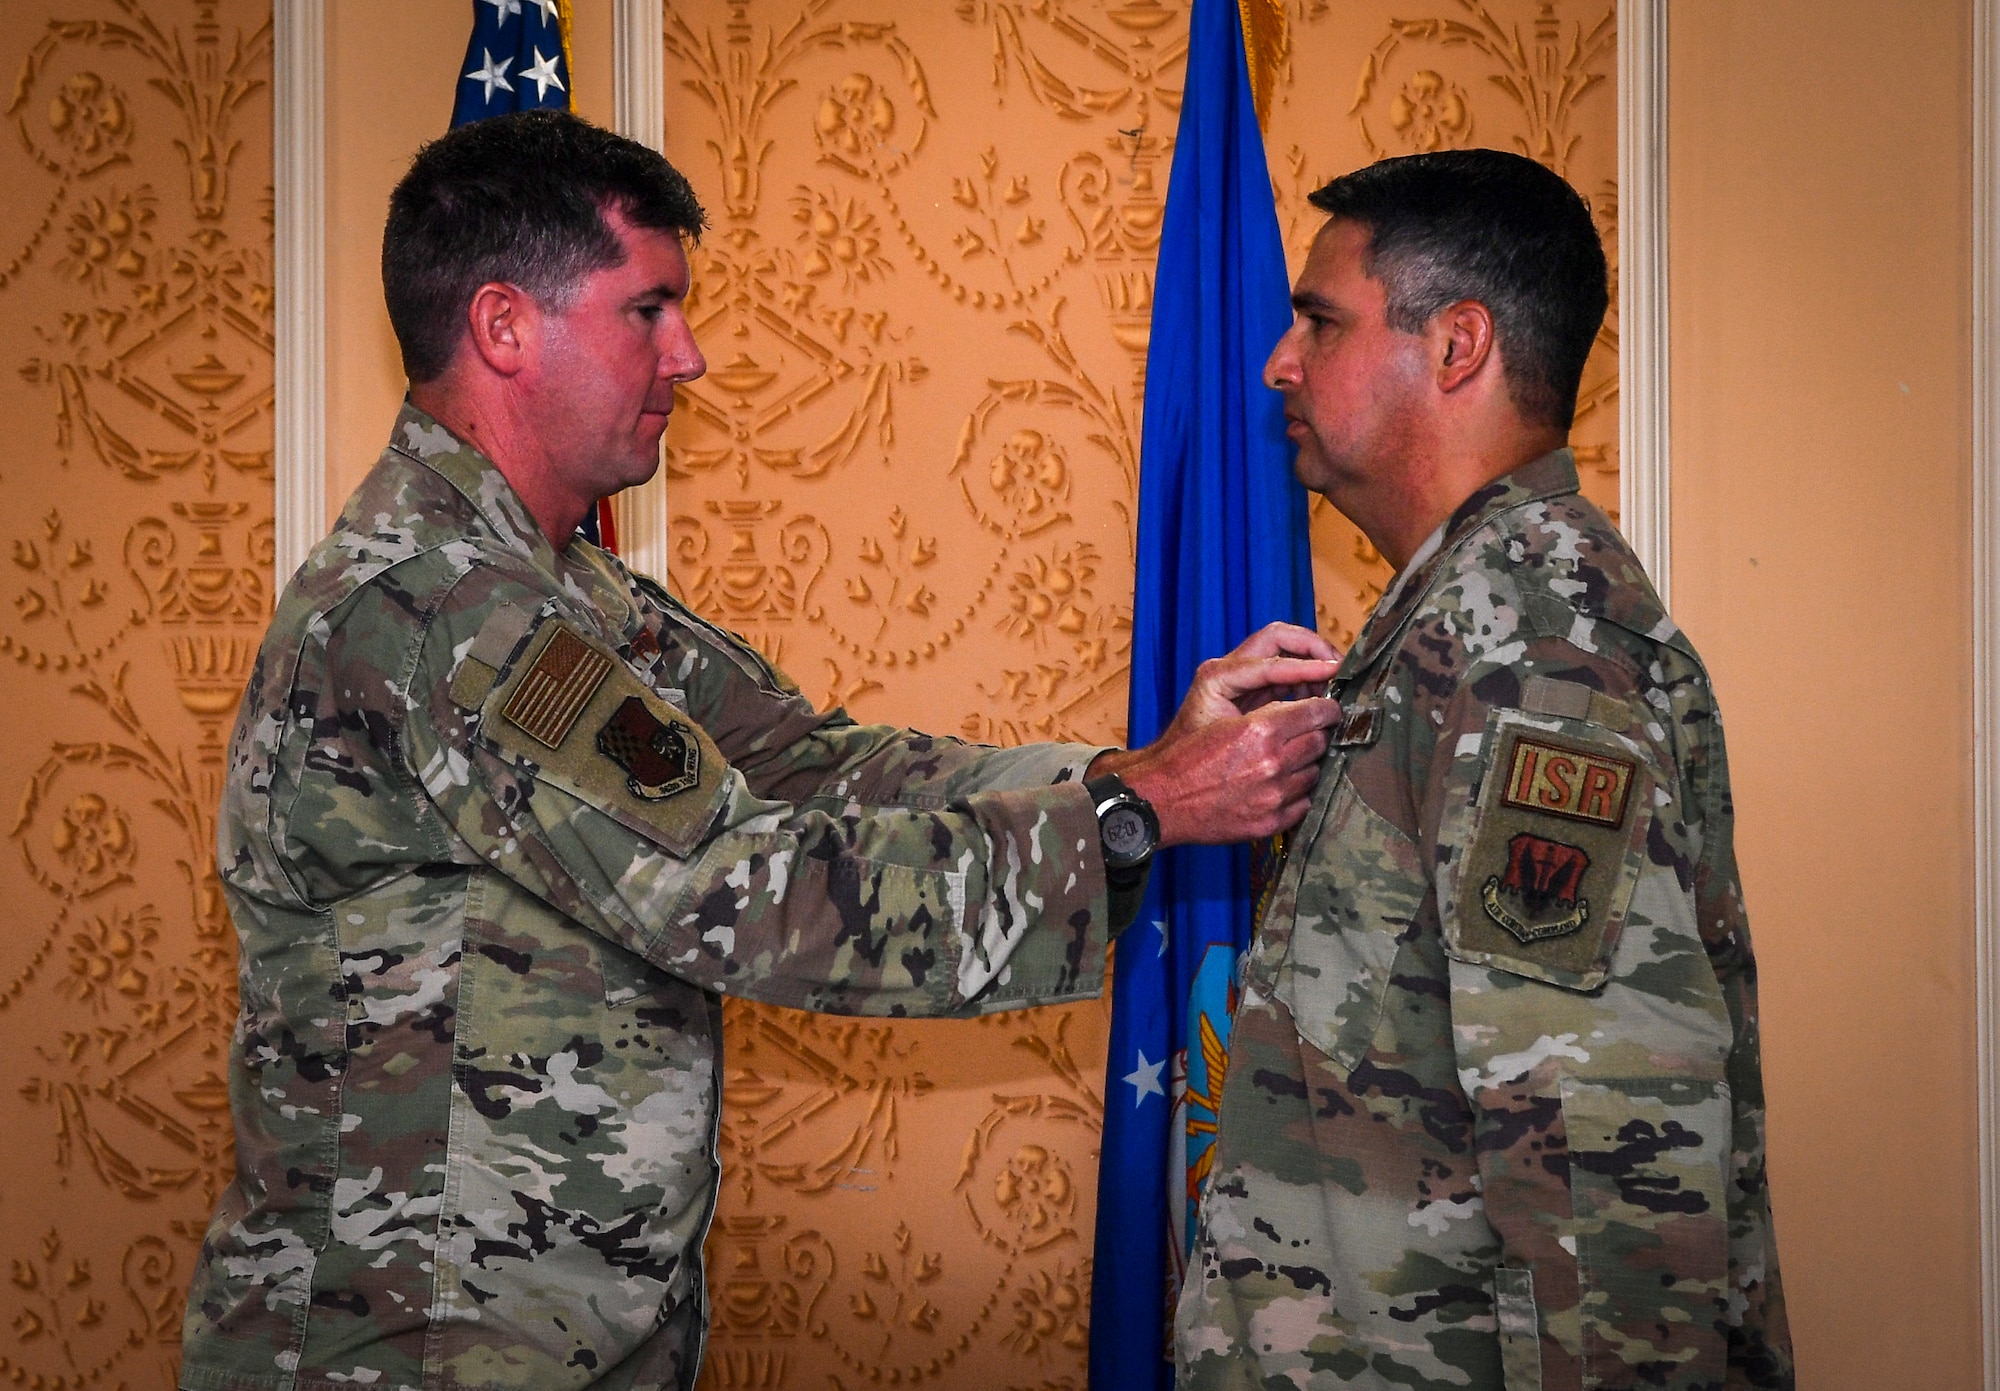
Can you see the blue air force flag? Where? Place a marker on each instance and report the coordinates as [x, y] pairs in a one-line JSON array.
[[1222, 550]]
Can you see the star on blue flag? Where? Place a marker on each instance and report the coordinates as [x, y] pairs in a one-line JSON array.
[[514, 61], [1145, 1079]]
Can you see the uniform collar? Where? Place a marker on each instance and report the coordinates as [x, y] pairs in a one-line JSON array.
[[418, 436], [1551, 475]]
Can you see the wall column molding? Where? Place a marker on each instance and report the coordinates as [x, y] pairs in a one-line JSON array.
[[298, 107], [1644, 494], [638, 84], [1986, 645]]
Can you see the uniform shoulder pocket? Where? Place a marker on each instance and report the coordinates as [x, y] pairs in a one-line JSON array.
[[1545, 832], [1360, 892], [592, 728]]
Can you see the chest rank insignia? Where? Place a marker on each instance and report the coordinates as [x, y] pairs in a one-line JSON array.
[[557, 687], [659, 761], [1358, 727]]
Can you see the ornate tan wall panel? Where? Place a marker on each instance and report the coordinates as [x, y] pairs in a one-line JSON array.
[[1365, 79], [135, 516], [909, 476]]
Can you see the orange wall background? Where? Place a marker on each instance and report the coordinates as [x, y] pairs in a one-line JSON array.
[[918, 1198], [1821, 491], [136, 312]]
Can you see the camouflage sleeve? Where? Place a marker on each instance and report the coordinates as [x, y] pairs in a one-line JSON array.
[[547, 758], [1759, 1334], [788, 751], [1592, 1035]]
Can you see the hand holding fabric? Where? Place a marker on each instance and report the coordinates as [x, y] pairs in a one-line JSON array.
[[1242, 755]]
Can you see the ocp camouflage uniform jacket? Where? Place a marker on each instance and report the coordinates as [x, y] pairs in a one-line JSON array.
[[1494, 1115], [501, 824]]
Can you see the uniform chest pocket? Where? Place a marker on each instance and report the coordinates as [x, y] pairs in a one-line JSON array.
[[1546, 823], [1362, 889]]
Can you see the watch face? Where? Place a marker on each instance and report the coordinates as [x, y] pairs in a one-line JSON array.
[[1126, 837]]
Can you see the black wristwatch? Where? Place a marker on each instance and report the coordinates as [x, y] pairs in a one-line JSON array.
[[1126, 826]]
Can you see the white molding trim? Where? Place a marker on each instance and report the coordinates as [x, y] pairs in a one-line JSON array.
[[298, 112], [1986, 646], [1645, 493], [638, 86]]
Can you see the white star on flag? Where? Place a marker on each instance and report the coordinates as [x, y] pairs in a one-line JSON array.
[[503, 8], [551, 14], [1145, 1079], [1160, 927], [492, 76], [543, 75]]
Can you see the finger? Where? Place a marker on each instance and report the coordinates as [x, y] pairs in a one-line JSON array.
[[1234, 676], [1289, 815], [1286, 639], [1306, 750], [1290, 718]]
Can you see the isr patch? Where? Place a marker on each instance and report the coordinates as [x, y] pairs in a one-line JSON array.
[[1568, 782]]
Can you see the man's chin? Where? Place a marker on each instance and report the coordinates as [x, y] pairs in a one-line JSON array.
[[645, 459]]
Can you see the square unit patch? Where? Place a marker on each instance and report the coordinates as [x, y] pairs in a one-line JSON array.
[[1555, 847]]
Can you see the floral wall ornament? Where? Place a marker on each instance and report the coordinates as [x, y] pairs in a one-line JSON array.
[[135, 284]]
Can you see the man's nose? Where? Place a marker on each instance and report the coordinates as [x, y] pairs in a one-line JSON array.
[[1281, 369], [685, 362]]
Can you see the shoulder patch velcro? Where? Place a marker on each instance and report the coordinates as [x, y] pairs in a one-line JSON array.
[[594, 729], [1556, 844], [1542, 695], [491, 646]]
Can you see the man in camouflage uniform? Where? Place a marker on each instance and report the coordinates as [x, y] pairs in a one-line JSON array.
[[503, 822], [1494, 1115]]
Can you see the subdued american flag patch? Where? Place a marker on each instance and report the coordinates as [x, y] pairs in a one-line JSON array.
[[556, 688]]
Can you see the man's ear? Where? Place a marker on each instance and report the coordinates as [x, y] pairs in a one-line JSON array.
[[1462, 342], [504, 323]]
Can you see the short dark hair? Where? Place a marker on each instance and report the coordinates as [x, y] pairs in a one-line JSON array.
[[1495, 227], [519, 199]]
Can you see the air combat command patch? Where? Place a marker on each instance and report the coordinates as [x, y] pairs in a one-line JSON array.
[[659, 761], [1556, 843]]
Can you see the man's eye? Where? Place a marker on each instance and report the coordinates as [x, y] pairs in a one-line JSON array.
[[650, 312]]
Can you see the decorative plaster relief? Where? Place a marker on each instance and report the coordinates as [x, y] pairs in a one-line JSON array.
[[135, 285]]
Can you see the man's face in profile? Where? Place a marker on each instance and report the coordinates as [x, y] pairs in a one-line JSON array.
[[611, 360], [1352, 384]]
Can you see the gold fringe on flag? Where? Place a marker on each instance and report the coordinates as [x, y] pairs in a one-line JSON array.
[[1267, 39], [563, 16]]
